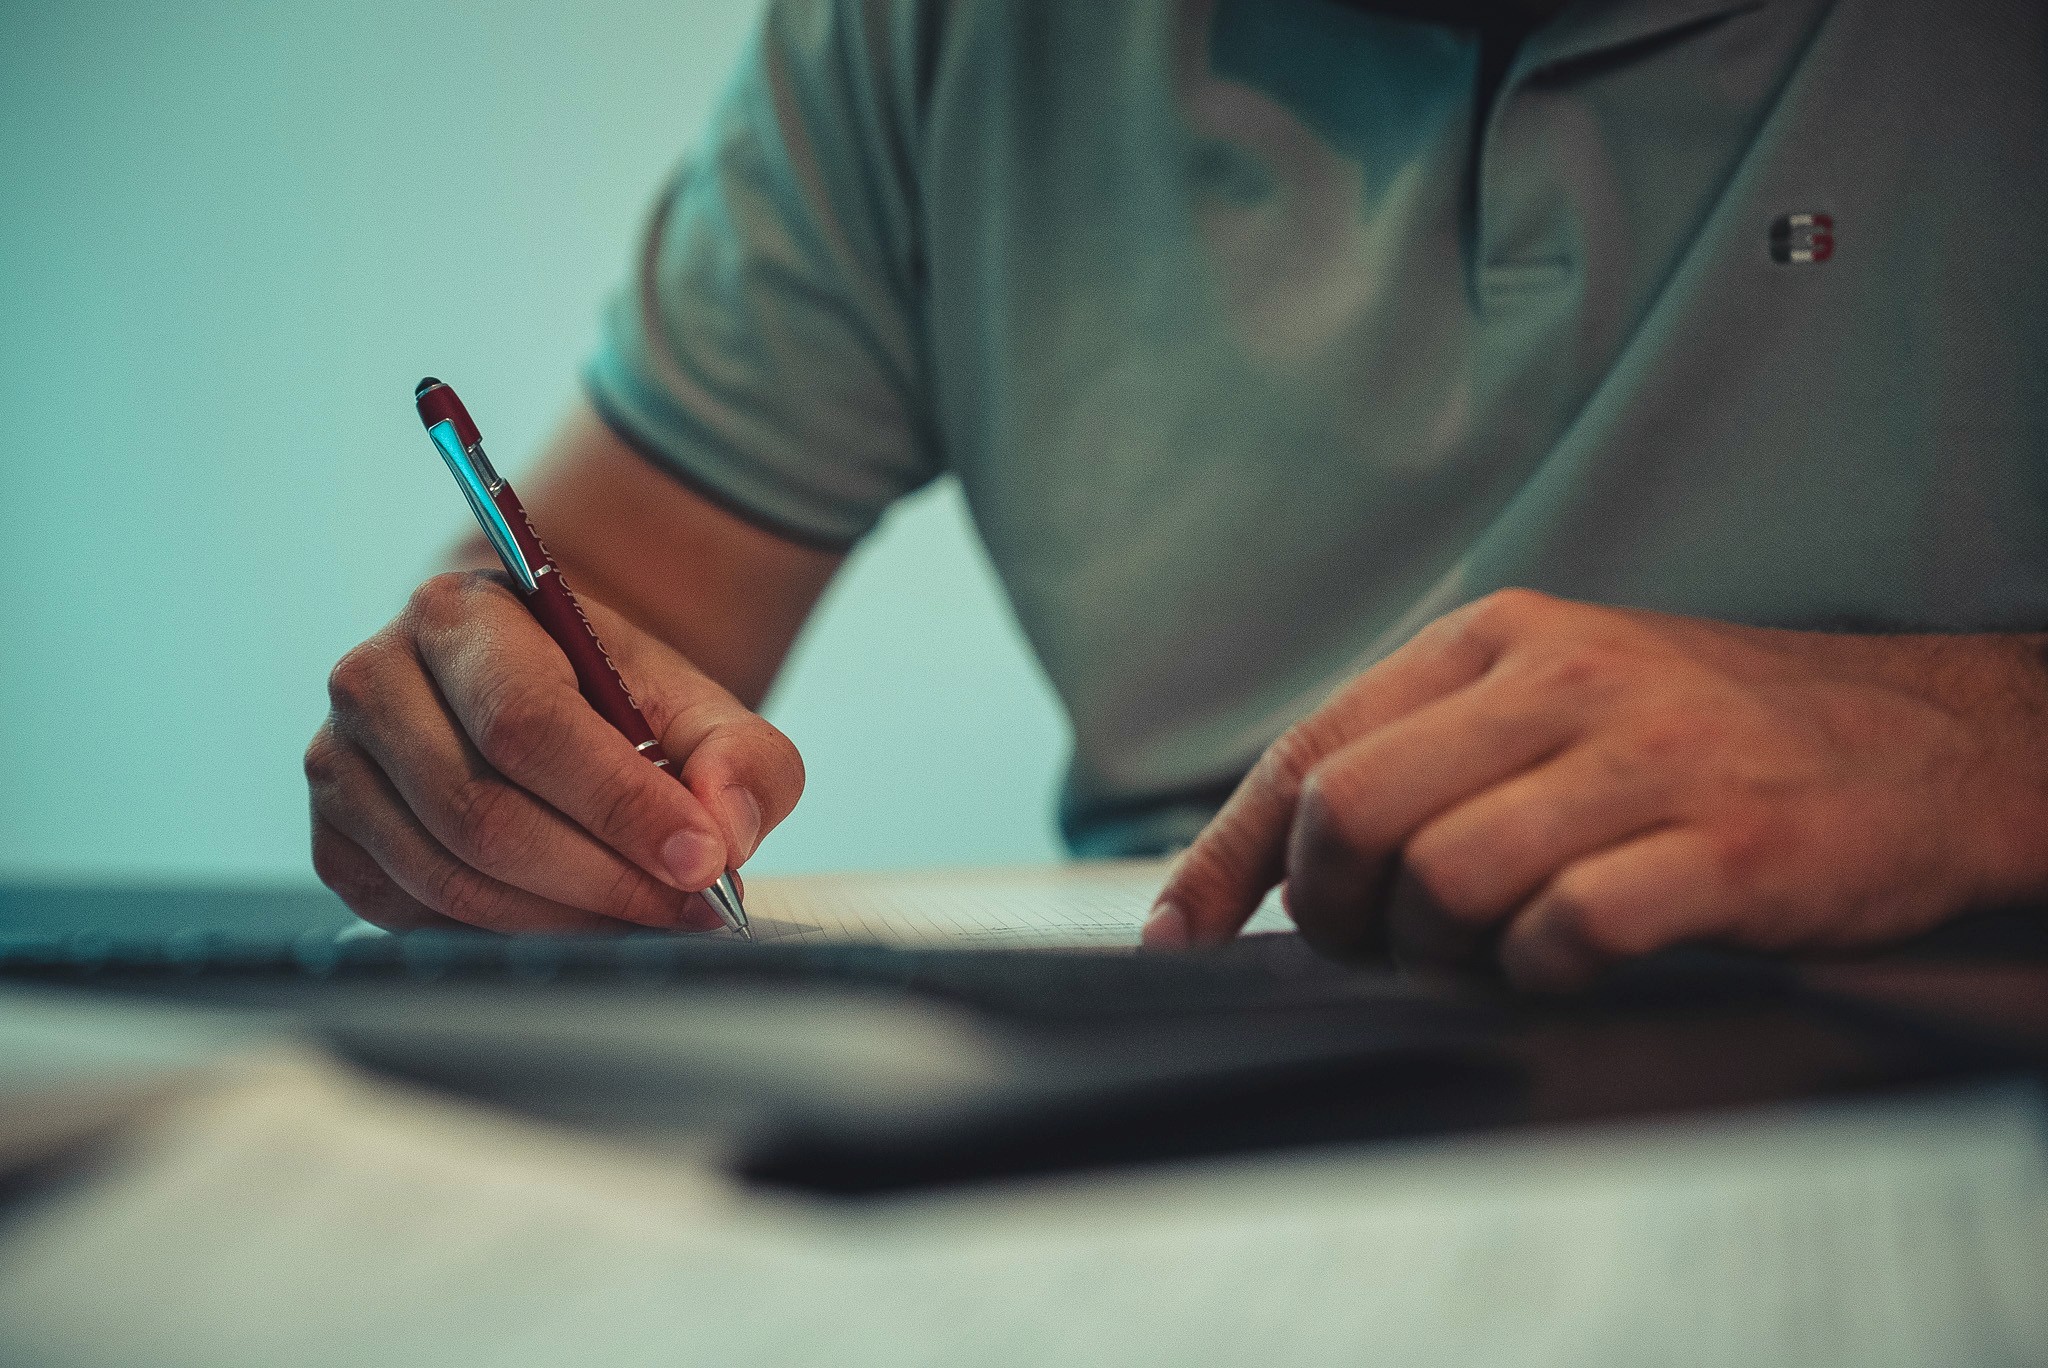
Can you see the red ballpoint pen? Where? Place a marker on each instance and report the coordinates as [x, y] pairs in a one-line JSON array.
[[541, 587]]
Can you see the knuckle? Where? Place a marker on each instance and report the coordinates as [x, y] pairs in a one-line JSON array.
[[518, 728], [441, 601], [1484, 628], [462, 894], [1610, 927], [1666, 737], [758, 755], [1289, 762], [488, 823], [1465, 633], [349, 874], [1317, 812], [1456, 884], [626, 801], [1334, 813], [1740, 849], [324, 762], [1581, 669], [1509, 611], [697, 706], [1581, 911], [351, 684]]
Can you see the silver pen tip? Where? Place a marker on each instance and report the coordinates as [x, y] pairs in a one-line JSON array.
[[725, 896]]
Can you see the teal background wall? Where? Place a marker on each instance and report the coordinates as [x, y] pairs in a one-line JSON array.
[[216, 202]]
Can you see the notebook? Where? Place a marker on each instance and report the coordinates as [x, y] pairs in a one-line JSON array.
[[1094, 905]]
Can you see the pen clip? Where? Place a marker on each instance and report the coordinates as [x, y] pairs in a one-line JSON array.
[[477, 487]]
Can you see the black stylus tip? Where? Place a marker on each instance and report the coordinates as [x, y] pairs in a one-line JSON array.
[[423, 386]]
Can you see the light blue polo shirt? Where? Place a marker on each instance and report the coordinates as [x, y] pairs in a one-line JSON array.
[[1253, 355]]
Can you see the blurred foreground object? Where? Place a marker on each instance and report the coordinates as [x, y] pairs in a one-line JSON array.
[[272, 1148], [280, 1210]]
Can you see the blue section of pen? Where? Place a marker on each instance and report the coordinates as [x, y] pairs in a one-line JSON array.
[[480, 502]]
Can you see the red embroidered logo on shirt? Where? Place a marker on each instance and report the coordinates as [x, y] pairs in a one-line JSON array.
[[1802, 239]]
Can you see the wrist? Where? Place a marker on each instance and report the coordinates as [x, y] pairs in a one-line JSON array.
[[1996, 687]]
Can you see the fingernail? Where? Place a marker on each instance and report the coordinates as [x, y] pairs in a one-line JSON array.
[[693, 859], [1165, 929], [742, 818]]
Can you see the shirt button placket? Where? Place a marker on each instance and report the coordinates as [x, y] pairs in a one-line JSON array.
[[1525, 276], [1521, 227]]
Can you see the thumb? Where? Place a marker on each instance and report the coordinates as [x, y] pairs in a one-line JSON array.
[[1219, 881], [745, 771]]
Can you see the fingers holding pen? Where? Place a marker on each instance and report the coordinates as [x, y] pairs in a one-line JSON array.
[[515, 704], [356, 877], [461, 758], [387, 704], [746, 773], [392, 871]]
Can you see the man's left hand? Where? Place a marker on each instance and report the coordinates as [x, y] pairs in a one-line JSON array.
[[1573, 785]]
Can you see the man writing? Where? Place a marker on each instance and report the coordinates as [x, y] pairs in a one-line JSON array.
[[1553, 480]]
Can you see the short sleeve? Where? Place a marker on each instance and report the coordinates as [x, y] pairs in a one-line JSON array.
[[766, 350]]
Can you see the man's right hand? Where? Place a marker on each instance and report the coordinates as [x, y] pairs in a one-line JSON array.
[[461, 778]]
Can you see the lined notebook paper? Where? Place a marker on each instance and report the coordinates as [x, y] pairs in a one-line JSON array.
[[1092, 905]]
